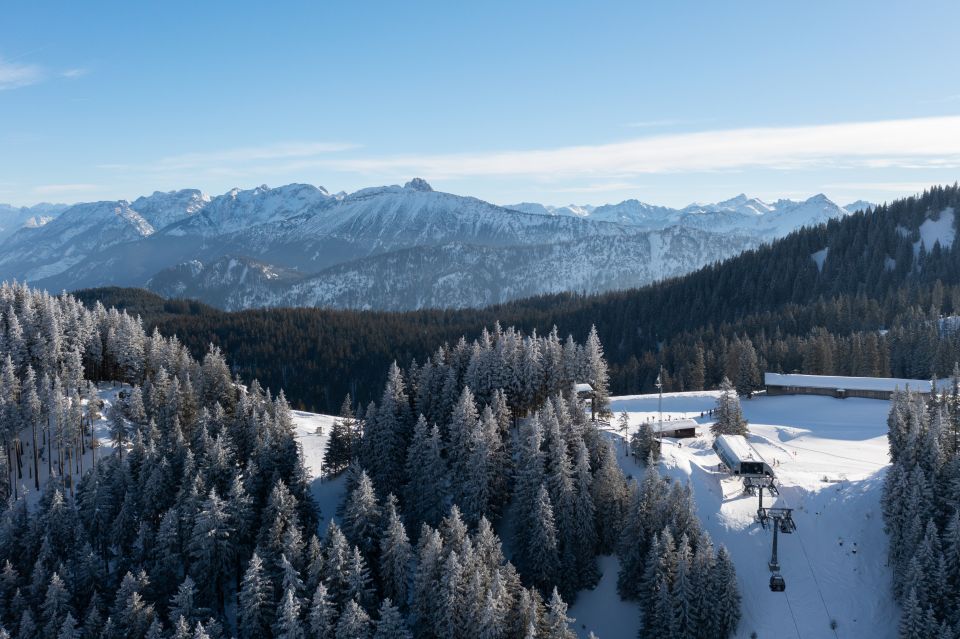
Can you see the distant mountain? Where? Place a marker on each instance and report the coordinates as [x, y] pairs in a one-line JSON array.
[[388, 247], [14, 218], [739, 214], [860, 205]]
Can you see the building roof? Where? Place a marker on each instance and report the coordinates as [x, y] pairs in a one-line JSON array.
[[738, 447], [583, 388], [673, 424], [885, 384]]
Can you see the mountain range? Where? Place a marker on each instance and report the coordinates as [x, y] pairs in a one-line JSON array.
[[390, 248]]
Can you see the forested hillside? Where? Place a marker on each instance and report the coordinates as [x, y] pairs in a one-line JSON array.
[[860, 295], [201, 524], [920, 508]]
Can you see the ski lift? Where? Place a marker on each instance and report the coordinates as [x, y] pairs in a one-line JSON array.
[[777, 583]]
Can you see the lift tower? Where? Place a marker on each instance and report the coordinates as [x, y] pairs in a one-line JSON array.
[[782, 522]]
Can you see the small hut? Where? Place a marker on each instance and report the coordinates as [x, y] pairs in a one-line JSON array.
[[584, 393]]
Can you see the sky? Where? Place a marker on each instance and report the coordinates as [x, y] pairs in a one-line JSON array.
[[555, 102]]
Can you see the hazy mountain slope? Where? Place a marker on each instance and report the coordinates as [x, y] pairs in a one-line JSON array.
[[249, 247], [457, 275], [13, 218]]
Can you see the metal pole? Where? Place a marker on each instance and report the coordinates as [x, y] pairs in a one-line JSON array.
[[660, 407], [774, 564]]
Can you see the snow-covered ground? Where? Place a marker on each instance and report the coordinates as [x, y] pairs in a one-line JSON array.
[[313, 431], [832, 454], [25, 486]]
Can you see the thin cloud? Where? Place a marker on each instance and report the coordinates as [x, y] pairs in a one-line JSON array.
[[649, 124], [891, 187], [74, 73], [14, 75], [59, 189], [229, 161], [601, 188], [915, 143]]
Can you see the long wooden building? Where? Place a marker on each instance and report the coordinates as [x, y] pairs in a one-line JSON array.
[[842, 387]]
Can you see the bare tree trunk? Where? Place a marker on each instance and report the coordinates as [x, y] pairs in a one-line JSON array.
[[70, 453], [48, 448], [36, 462]]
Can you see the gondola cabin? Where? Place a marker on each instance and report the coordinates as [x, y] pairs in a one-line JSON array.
[[740, 457]]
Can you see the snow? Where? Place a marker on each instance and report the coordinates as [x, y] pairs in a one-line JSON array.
[[820, 257], [847, 383], [602, 611], [313, 431], [738, 448], [938, 230], [830, 457], [25, 487]]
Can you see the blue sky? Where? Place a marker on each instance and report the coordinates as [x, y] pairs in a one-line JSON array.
[[555, 102]]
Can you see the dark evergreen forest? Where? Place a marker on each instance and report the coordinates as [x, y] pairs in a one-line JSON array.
[[871, 310]]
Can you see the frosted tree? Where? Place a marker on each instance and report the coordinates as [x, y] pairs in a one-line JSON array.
[[354, 622], [211, 548], [542, 561], [427, 574], [643, 444], [362, 517], [391, 624], [729, 414], [426, 489], [340, 445], [748, 370], [255, 597], [183, 604], [596, 369], [609, 492], [396, 556], [322, 614], [583, 534], [728, 594], [556, 621], [358, 582], [288, 624], [68, 629], [388, 433], [119, 428]]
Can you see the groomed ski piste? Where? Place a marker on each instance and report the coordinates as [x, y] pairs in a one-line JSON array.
[[830, 455]]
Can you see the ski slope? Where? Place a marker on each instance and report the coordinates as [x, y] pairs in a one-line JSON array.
[[831, 455]]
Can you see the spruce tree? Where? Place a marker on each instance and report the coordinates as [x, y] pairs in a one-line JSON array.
[[288, 625], [396, 556], [254, 615], [729, 414], [354, 622], [391, 624]]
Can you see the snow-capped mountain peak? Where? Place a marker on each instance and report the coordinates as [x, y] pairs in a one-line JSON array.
[[394, 247], [418, 184]]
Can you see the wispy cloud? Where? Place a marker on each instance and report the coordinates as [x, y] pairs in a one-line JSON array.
[[602, 187], [662, 123], [62, 189], [886, 187], [14, 75], [908, 143], [651, 124], [230, 161], [74, 73]]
